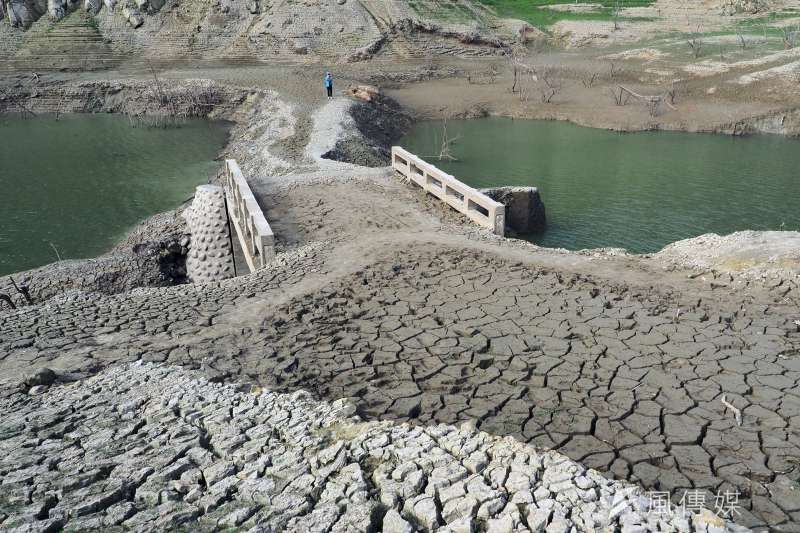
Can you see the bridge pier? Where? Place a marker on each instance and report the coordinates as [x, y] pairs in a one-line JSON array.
[[210, 254]]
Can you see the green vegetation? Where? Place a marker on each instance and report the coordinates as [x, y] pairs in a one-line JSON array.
[[536, 13]]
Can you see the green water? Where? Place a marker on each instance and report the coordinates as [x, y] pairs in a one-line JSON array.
[[83, 181], [638, 191]]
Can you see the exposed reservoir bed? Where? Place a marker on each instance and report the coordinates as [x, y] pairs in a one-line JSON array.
[[639, 191], [78, 184]]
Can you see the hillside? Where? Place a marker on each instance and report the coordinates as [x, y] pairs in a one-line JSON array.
[[93, 33]]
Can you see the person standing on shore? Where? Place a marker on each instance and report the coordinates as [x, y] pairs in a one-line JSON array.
[[329, 85]]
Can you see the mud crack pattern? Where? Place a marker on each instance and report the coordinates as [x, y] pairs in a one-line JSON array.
[[628, 383], [626, 380], [145, 447]]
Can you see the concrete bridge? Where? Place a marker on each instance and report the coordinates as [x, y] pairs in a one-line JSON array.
[[257, 239]]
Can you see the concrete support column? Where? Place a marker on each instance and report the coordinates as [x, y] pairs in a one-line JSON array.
[[210, 255]]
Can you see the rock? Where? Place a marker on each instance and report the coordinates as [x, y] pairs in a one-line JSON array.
[[57, 9], [423, 509], [92, 6], [41, 376], [218, 471], [132, 16], [368, 93], [38, 389], [538, 518], [504, 524], [394, 523], [527, 33]]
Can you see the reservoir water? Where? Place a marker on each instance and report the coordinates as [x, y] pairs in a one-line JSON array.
[[78, 184], [639, 191]]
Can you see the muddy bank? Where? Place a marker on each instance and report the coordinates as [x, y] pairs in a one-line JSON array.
[[778, 122], [582, 95], [152, 255]]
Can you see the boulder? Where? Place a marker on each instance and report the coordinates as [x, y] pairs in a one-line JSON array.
[[368, 93], [57, 9], [41, 376], [132, 16], [23, 13], [92, 6]]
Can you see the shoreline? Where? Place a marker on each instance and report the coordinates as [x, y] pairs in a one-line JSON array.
[[380, 295], [235, 105], [497, 384]]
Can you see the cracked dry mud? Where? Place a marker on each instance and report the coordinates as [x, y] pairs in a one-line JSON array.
[[613, 362], [143, 447]]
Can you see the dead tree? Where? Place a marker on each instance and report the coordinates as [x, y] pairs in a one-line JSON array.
[[164, 99], [23, 290], [613, 70], [742, 40], [615, 12], [17, 101], [789, 37], [651, 103], [588, 80], [447, 142], [550, 85], [519, 70], [621, 96], [515, 67], [493, 72], [696, 44], [59, 106], [672, 92]]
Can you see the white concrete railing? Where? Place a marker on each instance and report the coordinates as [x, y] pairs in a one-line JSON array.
[[463, 198], [255, 235]]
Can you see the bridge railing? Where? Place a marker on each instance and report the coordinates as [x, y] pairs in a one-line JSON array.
[[255, 235], [474, 204]]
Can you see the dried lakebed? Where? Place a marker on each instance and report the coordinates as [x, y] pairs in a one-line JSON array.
[[160, 448], [610, 376], [380, 297]]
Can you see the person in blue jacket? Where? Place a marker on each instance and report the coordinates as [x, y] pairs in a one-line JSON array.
[[329, 85]]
